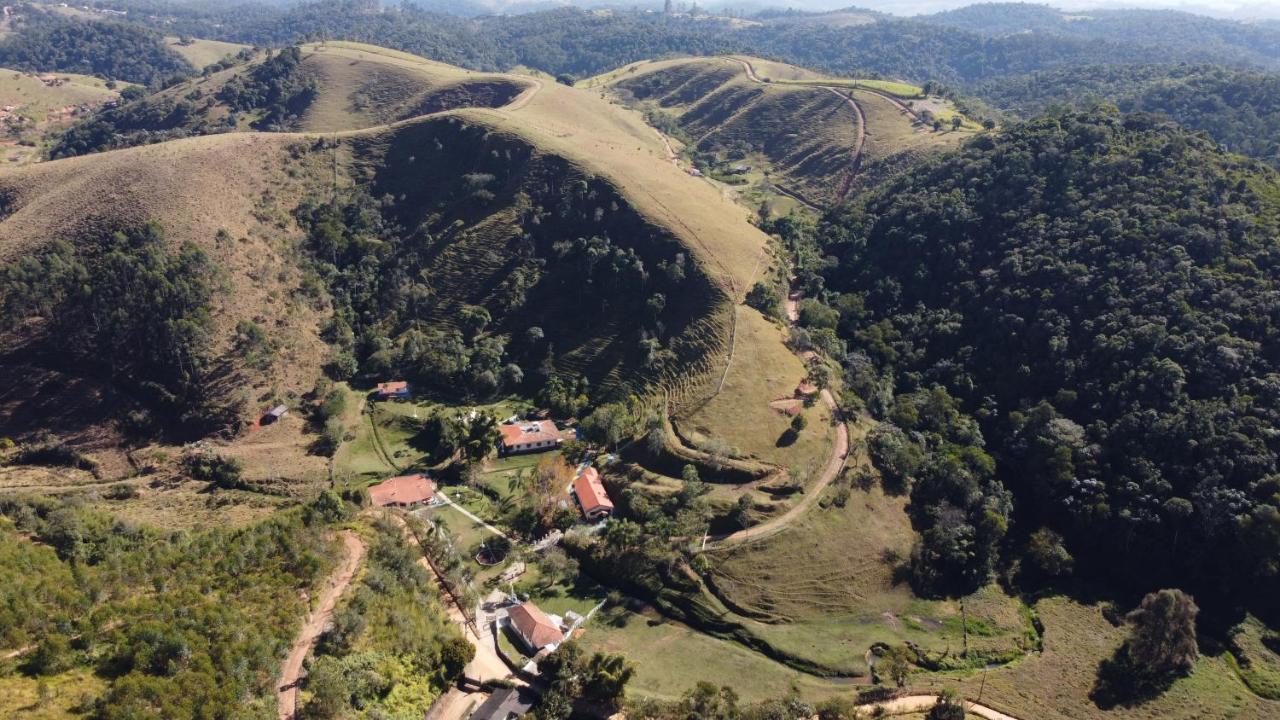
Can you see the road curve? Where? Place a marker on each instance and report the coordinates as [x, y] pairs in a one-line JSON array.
[[291, 670], [918, 703], [839, 455], [856, 157]]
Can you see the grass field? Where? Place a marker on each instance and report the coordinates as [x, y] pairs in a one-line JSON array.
[[1055, 684], [763, 370], [42, 106], [201, 53], [828, 587], [670, 658], [53, 698]]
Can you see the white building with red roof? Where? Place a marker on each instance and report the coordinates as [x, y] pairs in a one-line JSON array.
[[404, 491], [592, 498], [535, 628], [528, 436]]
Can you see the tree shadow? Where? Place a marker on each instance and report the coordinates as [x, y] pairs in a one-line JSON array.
[[1121, 683], [787, 438]]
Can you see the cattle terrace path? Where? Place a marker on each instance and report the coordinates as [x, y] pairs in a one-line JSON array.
[[839, 455], [856, 158], [291, 671]]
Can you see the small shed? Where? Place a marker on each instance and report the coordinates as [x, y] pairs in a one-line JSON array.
[[274, 414]]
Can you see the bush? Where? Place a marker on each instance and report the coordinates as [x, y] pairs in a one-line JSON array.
[[221, 471]]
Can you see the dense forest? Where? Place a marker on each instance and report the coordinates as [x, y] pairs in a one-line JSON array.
[[569, 40], [1238, 108], [1090, 301], [127, 308], [45, 42]]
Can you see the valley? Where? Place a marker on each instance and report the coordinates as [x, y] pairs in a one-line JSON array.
[[341, 382]]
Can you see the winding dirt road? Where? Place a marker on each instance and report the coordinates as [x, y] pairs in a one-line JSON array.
[[855, 162], [839, 456], [291, 671], [919, 703]]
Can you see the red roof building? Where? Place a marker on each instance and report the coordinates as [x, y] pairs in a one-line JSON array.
[[592, 498], [529, 436], [534, 627], [403, 491], [393, 389], [805, 389]]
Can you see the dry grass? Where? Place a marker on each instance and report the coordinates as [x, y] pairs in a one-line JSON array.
[[763, 370], [805, 135], [42, 109], [22, 697], [1055, 684], [201, 53]]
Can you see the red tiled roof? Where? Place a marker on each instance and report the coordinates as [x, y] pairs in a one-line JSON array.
[[590, 491], [390, 388], [403, 490], [531, 431], [534, 625]]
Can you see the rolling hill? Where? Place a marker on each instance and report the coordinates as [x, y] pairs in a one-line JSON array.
[[812, 136], [312, 88], [476, 195]]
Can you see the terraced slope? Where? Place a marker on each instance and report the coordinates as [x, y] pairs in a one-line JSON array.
[[815, 137], [232, 194]]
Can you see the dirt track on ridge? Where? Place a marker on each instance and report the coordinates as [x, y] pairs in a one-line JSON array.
[[855, 161], [291, 670]]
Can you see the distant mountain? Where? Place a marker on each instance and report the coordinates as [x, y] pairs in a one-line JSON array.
[[1259, 43]]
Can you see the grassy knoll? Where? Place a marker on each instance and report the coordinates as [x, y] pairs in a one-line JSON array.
[[201, 53], [763, 370], [1055, 684], [827, 588]]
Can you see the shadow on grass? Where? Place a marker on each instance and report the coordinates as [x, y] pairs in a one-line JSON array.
[[1122, 684]]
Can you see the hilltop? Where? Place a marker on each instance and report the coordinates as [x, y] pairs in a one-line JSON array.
[[310, 88], [489, 189], [753, 123]]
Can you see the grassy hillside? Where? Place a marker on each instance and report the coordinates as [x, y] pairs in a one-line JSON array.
[[755, 124], [233, 196], [202, 53], [41, 103], [319, 88]]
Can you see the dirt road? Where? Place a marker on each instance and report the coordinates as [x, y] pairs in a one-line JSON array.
[[918, 703], [839, 455], [487, 664], [856, 156], [291, 671]]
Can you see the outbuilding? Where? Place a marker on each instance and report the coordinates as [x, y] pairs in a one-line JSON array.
[[592, 498]]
